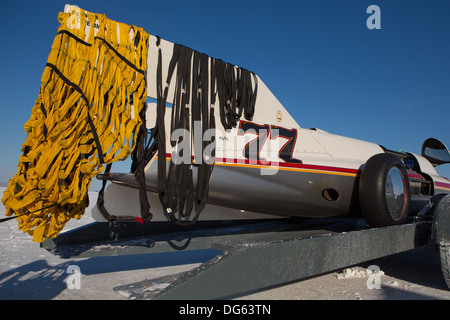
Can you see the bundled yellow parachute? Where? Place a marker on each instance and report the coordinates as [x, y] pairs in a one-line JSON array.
[[87, 114]]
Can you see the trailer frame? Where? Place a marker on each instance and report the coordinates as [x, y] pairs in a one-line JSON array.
[[254, 256]]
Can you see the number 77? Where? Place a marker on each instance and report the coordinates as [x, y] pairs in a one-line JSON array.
[[252, 150]]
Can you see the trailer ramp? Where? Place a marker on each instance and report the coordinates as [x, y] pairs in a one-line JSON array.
[[253, 256], [268, 260]]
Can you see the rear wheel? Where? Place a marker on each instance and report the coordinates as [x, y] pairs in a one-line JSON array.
[[384, 191], [441, 233], [444, 253]]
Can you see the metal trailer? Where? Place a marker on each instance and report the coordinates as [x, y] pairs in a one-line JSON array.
[[253, 256]]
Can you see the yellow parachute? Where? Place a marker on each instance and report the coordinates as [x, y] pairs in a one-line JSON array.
[[87, 114]]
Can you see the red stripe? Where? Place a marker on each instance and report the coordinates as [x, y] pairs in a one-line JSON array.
[[306, 166], [442, 184], [417, 176], [283, 164]]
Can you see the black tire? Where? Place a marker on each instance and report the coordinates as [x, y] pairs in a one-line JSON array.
[[444, 254], [379, 206], [441, 225]]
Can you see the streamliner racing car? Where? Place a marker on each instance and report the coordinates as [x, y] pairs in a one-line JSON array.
[[312, 174], [266, 165]]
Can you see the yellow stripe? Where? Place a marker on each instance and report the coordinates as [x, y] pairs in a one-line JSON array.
[[287, 169]]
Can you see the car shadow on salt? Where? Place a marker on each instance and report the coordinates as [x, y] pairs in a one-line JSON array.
[[34, 281], [39, 280]]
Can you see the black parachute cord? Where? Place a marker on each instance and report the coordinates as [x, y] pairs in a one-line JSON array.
[[200, 113], [182, 88], [139, 172], [246, 93], [173, 183], [236, 95], [172, 199], [226, 96], [212, 126], [163, 191], [213, 93], [220, 71], [251, 92], [205, 92], [180, 83], [173, 188], [188, 185], [213, 81], [196, 111], [184, 176], [212, 117], [179, 181], [243, 96], [231, 89], [171, 192], [26, 213], [254, 95], [182, 179], [203, 169], [150, 148], [235, 92], [152, 145], [175, 114], [185, 112], [160, 138], [236, 75], [231, 94], [101, 198]]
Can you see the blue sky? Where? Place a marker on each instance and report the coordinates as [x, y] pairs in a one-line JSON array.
[[389, 86]]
